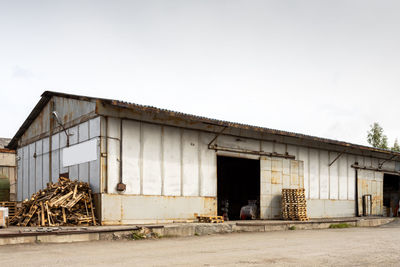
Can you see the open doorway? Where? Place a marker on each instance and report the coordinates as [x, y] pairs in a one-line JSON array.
[[238, 183], [391, 194]]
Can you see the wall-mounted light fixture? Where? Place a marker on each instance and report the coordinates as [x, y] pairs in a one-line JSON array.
[[55, 114]]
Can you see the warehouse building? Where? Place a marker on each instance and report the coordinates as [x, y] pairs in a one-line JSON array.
[[152, 165]]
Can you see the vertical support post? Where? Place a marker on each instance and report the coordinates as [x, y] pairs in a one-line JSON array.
[[52, 108], [356, 194], [120, 151]]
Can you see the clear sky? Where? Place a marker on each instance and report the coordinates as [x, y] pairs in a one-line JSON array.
[[324, 68]]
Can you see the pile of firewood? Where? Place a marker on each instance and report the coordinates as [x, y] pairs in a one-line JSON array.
[[64, 203]]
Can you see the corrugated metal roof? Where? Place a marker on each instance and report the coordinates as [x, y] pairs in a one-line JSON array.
[[47, 95]]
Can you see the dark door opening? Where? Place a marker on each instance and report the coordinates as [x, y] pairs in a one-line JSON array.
[[391, 194], [238, 182]]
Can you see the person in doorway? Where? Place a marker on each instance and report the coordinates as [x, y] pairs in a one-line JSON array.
[[398, 209], [395, 207]]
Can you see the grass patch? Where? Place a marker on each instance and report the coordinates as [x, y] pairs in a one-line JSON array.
[[340, 225], [292, 227], [137, 235]]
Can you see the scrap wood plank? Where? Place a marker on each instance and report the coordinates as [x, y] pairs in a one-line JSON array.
[[72, 202], [51, 205], [42, 213], [29, 215], [60, 200], [211, 219], [91, 207]]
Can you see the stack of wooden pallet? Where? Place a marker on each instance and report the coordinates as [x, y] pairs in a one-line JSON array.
[[294, 206], [210, 219], [64, 203], [12, 207]]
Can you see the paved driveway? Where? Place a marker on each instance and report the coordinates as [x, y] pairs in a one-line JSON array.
[[338, 247]]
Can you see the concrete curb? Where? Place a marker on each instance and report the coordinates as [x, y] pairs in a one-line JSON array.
[[207, 229], [177, 230]]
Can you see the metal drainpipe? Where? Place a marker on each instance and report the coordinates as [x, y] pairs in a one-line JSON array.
[[120, 152], [52, 108], [105, 161], [356, 195]]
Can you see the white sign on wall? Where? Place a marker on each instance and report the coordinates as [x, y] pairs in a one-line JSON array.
[[80, 153]]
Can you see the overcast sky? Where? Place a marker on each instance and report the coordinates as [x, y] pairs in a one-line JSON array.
[[324, 68]]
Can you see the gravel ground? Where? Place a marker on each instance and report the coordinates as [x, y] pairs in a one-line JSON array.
[[378, 246]]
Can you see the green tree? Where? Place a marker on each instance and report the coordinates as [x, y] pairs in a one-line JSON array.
[[396, 146], [376, 137]]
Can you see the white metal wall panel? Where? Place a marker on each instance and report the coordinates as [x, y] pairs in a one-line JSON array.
[[285, 173], [190, 163], [351, 178], [20, 176], [277, 173], [94, 170], [333, 176], [235, 142], [208, 167], [63, 143], [293, 150], [94, 166], [113, 154], [374, 163], [39, 165], [267, 146], [314, 173], [280, 148], [360, 160], [370, 182], [131, 156], [303, 156], [46, 161], [368, 161], [391, 165], [380, 192], [73, 139], [323, 174], [32, 166], [94, 127], [343, 177], [25, 173], [55, 157], [151, 159], [55, 160], [172, 161], [301, 174], [83, 169], [113, 128]]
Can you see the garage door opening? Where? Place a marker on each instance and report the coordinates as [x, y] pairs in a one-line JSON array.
[[391, 193], [238, 183]]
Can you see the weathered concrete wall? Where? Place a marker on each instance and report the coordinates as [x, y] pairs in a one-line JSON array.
[[130, 209], [277, 173]]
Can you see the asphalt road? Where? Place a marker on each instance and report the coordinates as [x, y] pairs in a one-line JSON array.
[[378, 246]]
